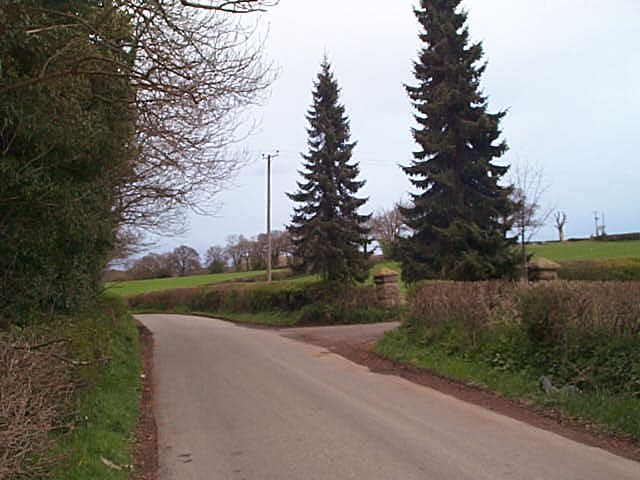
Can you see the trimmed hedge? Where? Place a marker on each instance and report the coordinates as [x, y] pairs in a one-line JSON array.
[[619, 269], [314, 303], [583, 333]]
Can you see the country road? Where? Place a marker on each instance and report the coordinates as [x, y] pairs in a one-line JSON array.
[[241, 403]]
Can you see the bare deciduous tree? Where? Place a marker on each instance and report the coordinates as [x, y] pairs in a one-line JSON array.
[[216, 259], [560, 222], [233, 251], [195, 75], [530, 216], [230, 6], [153, 265], [186, 260], [281, 246], [387, 227], [215, 253], [195, 68]]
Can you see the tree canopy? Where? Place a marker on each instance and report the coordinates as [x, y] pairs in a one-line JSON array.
[[115, 116], [460, 217], [328, 232]]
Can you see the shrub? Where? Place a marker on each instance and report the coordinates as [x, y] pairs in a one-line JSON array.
[[585, 333], [216, 267], [35, 393], [317, 303], [619, 269], [470, 304], [47, 371]]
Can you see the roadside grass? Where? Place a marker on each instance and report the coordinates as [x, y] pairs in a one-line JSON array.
[[106, 406], [135, 287], [613, 413], [586, 250]]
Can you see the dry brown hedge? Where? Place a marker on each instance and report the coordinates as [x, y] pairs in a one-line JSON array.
[[614, 306], [35, 391], [614, 269], [583, 333]]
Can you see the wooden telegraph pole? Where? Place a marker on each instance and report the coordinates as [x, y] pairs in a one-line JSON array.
[[269, 157]]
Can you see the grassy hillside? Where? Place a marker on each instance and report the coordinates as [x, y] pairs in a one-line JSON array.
[[135, 287], [587, 250]]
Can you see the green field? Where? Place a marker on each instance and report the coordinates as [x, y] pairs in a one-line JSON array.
[[135, 287], [575, 250], [587, 250]]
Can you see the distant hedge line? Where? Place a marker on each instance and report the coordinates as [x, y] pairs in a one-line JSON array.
[[619, 237], [581, 333], [312, 303], [619, 269]]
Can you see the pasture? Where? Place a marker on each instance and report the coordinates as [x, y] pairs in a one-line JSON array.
[[135, 287], [586, 250]]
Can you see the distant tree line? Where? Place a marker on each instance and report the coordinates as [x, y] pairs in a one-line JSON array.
[[239, 254]]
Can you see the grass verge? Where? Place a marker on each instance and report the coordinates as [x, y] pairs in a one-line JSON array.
[[613, 413], [106, 406]]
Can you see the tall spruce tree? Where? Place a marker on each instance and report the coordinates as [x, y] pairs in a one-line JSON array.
[[460, 215], [328, 233]]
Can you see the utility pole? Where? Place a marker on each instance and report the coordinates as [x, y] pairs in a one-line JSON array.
[[269, 157]]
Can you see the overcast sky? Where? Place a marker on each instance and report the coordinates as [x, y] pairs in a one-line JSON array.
[[567, 72]]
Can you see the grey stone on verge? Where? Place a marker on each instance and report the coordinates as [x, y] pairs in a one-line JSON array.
[[546, 385]]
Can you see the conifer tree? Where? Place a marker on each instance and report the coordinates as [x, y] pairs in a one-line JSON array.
[[328, 233], [460, 214]]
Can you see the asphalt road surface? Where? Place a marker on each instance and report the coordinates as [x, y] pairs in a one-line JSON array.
[[241, 403]]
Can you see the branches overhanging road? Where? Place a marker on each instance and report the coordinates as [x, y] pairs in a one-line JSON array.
[[239, 403]]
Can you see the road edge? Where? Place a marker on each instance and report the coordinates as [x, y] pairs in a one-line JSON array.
[[145, 442], [545, 418]]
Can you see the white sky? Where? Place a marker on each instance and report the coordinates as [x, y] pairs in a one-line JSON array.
[[567, 71]]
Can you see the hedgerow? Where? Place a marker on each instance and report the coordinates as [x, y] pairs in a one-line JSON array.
[[615, 269], [583, 333], [312, 303]]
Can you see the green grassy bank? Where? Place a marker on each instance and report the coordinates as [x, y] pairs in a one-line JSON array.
[[299, 301], [587, 250], [612, 412], [70, 395], [136, 287], [106, 403], [582, 335]]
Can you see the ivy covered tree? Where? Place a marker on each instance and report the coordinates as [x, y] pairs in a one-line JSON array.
[[460, 214], [328, 233], [64, 151]]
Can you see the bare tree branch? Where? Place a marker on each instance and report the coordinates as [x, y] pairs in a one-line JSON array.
[[530, 216], [195, 70], [232, 6]]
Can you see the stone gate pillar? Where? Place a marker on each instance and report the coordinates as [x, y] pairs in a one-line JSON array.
[[387, 291]]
